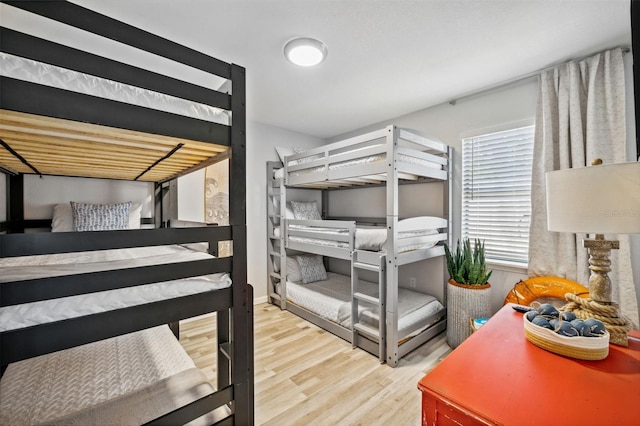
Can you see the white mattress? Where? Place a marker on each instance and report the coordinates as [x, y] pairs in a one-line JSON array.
[[279, 173], [45, 388], [331, 300], [366, 238], [28, 267], [50, 75]]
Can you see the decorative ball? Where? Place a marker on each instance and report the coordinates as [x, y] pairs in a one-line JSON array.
[[541, 322], [566, 329], [568, 316], [596, 328], [531, 315], [554, 323], [582, 328], [548, 309]]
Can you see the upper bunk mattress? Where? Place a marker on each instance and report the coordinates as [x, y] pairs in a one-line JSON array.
[[62, 78], [115, 381], [31, 267]]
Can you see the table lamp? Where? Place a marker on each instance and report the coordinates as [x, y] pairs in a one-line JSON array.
[[601, 199]]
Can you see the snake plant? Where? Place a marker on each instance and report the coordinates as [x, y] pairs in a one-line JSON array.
[[467, 265]]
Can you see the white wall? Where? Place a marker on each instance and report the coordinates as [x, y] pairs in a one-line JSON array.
[[261, 142], [191, 196], [41, 194]]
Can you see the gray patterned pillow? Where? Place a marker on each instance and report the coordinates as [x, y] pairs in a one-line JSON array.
[[100, 217], [311, 268], [305, 211]]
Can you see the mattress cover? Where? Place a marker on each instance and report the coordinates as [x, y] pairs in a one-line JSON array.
[[61, 384], [51, 75], [366, 238], [29, 314], [331, 300], [279, 173]]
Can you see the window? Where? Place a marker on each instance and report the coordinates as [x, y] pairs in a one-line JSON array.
[[496, 192]]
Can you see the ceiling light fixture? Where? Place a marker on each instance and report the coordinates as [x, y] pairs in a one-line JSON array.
[[305, 51]]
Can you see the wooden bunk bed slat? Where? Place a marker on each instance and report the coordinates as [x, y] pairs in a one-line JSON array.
[[24, 96]]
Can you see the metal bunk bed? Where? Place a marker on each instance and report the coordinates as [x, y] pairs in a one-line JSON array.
[[96, 137], [363, 161]]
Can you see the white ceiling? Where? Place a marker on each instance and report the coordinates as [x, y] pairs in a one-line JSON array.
[[386, 57]]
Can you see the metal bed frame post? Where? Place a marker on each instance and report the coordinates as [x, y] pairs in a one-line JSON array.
[[390, 247]]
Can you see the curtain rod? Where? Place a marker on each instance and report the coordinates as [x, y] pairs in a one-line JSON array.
[[527, 76]]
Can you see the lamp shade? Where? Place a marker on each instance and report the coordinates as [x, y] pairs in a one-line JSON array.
[[602, 199]]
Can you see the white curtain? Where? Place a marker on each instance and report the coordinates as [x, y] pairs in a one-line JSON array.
[[580, 117]]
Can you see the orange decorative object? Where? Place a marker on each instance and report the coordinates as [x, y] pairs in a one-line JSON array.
[[498, 377], [531, 289]]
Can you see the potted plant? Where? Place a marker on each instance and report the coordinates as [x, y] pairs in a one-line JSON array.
[[468, 290]]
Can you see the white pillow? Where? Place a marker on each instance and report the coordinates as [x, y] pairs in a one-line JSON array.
[[100, 217], [62, 218], [311, 268], [305, 211], [293, 270], [288, 214], [134, 215]]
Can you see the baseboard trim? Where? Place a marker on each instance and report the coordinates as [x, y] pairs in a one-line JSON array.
[[259, 300]]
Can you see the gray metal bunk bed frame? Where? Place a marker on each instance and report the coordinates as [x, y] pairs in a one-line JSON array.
[[317, 174], [233, 305]]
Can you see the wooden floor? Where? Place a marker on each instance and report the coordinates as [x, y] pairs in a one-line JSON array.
[[307, 376]]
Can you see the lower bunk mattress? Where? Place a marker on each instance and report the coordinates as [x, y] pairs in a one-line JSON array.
[[331, 300], [126, 380], [31, 267]]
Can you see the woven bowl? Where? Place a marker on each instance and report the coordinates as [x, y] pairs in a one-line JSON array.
[[586, 348]]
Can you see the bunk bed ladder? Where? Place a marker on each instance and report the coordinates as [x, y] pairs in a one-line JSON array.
[[374, 262], [275, 244]]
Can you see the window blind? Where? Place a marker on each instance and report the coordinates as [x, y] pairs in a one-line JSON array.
[[496, 192]]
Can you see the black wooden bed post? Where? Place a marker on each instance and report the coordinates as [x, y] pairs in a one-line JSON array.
[[242, 361], [15, 203]]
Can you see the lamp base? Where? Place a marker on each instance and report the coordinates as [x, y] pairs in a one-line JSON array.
[[618, 327], [599, 264]]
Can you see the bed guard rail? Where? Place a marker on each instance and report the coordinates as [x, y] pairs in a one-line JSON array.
[[333, 238]]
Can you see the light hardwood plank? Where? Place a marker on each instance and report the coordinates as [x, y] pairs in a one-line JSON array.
[[307, 376]]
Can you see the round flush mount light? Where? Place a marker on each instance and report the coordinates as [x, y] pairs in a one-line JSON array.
[[305, 51]]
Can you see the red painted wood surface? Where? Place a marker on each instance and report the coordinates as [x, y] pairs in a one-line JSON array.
[[498, 377]]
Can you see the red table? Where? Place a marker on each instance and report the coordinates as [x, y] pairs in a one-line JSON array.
[[498, 377]]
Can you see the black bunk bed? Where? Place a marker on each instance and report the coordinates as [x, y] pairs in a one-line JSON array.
[[233, 304]]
